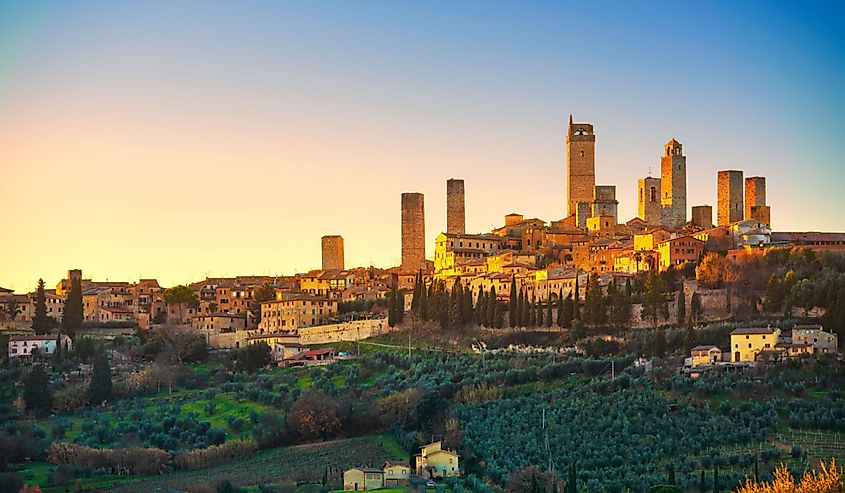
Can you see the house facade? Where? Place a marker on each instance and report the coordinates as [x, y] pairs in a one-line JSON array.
[[436, 462], [747, 343]]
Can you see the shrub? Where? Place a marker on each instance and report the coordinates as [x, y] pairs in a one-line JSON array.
[[216, 454]]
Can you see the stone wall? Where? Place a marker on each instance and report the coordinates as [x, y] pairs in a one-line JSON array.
[[413, 231], [729, 189], [455, 207], [347, 331]]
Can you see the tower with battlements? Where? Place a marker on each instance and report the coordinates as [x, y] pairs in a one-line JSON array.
[[580, 164], [673, 185]]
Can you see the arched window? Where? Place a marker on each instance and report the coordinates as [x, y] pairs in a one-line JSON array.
[[652, 194]]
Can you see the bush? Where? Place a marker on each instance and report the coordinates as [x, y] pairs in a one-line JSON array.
[[216, 454], [138, 460]]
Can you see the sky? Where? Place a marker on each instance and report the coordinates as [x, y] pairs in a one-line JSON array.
[[184, 139]]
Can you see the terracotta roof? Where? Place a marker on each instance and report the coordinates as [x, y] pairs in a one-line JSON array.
[[752, 330], [703, 348]]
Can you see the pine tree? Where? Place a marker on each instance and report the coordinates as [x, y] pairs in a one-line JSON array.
[[513, 312], [100, 387], [40, 320], [73, 317], [682, 306]]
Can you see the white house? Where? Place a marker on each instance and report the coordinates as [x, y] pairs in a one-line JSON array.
[[23, 346]]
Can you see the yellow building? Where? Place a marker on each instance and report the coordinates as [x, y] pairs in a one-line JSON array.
[[705, 355], [396, 473], [648, 240], [363, 478], [451, 250], [601, 224], [436, 462], [747, 343], [295, 311]]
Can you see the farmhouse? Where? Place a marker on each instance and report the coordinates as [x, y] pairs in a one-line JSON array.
[[705, 355], [23, 346], [437, 462], [363, 478], [396, 473], [747, 343]]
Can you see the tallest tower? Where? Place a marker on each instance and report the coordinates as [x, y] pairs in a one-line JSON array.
[[673, 185], [580, 164]]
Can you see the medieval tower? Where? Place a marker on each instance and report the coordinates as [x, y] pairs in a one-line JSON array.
[[673, 185], [702, 216], [413, 231], [729, 188], [604, 202], [332, 252], [580, 164], [755, 200], [455, 209], [648, 200]]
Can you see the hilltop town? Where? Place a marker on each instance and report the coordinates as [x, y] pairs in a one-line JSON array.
[[704, 353]]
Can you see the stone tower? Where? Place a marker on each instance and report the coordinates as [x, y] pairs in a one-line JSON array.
[[604, 202], [580, 164], [455, 212], [702, 216], [673, 185], [730, 207], [332, 252], [755, 193], [648, 199], [413, 231]]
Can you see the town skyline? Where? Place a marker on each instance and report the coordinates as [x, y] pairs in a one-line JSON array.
[[204, 187]]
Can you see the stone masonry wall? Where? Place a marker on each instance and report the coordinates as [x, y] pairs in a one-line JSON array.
[[729, 189], [455, 207], [413, 231]]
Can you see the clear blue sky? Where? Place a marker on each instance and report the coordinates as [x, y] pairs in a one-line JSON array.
[[227, 137]]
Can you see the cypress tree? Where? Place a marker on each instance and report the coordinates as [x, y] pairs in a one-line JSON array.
[[576, 302], [672, 474], [455, 307], [399, 309], [481, 307], [560, 318], [391, 308], [524, 309], [756, 471], [571, 487], [538, 313], [467, 310], [73, 317], [513, 313], [549, 321], [568, 311], [36, 390], [40, 321], [101, 385], [701, 485], [498, 314], [682, 305], [716, 478], [491, 307]]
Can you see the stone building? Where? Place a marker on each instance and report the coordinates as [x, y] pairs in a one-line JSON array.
[[730, 206], [648, 200], [702, 216], [673, 185], [604, 202], [413, 231], [582, 213], [332, 252], [455, 208], [580, 164]]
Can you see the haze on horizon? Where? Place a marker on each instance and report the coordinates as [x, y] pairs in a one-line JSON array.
[[177, 140]]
